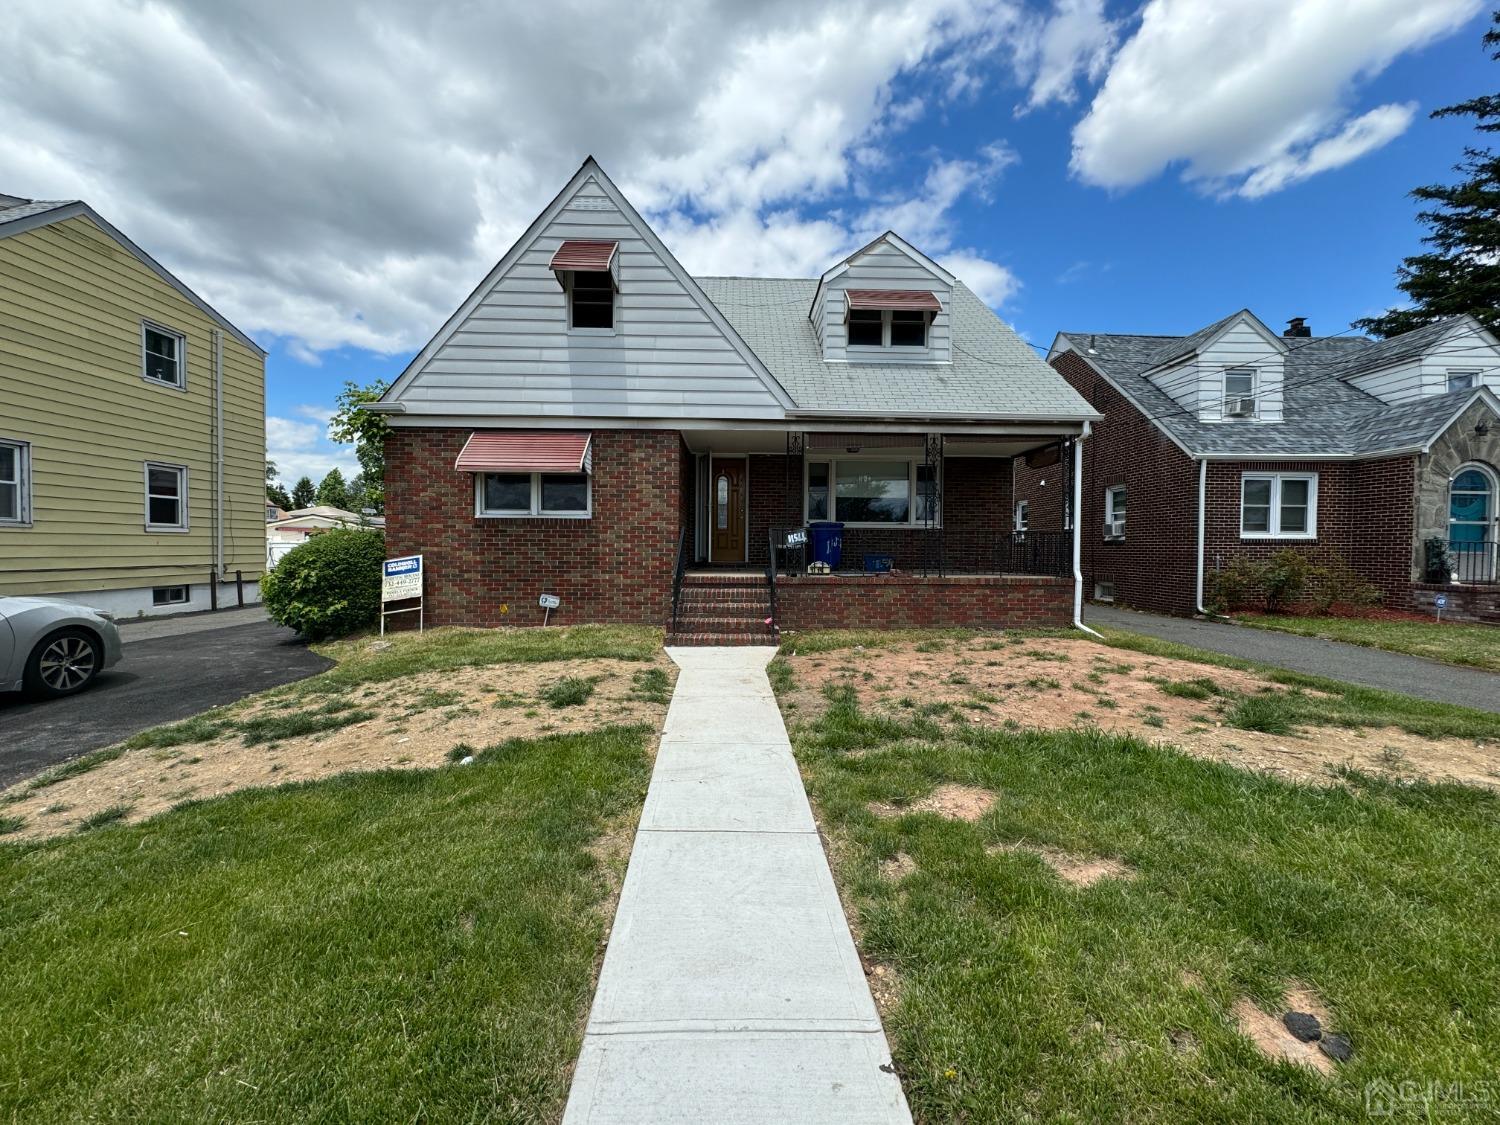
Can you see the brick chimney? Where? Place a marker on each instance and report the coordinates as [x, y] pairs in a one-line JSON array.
[[1297, 326]]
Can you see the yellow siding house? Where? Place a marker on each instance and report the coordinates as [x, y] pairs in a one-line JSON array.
[[132, 424]]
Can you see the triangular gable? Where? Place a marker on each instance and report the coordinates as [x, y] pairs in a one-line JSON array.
[[889, 238], [1204, 338], [1478, 395], [590, 188]]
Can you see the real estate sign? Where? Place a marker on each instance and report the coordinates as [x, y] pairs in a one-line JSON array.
[[401, 579]]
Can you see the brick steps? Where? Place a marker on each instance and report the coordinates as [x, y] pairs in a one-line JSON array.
[[684, 640], [723, 609]]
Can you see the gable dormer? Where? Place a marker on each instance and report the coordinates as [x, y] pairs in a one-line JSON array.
[[885, 303], [1458, 354], [1233, 371]]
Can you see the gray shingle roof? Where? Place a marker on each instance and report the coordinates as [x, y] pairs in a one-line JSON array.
[[1322, 413], [993, 372], [24, 208]]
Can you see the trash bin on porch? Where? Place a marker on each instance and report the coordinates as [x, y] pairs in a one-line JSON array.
[[827, 542]]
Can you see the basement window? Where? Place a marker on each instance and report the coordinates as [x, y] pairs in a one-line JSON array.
[[1104, 591], [169, 595]]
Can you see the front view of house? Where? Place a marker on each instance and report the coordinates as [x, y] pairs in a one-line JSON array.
[[597, 425]]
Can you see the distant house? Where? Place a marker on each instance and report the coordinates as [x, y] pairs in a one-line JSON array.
[[595, 424], [1235, 441], [285, 530], [132, 423]]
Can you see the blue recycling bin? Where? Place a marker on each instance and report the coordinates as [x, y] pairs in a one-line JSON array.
[[827, 542]]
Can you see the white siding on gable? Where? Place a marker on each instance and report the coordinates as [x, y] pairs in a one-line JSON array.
[[1398, 383], [513, 354], [1462, 350], [884, 266], [1198, 383]]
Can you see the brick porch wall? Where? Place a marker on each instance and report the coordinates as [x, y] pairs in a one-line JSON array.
[[615, 567], [1476, 604], [809, 602]]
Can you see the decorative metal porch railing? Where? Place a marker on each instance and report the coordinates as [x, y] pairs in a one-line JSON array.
[[1473, 560], [921, 551]]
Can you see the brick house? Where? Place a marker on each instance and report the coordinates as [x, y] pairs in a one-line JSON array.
[[596, 424], [1234, 441]]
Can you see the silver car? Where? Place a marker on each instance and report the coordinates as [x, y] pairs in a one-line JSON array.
[[50, 648]]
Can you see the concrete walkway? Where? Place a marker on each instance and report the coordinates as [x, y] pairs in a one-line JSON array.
[[731, 991], [1373, 667]]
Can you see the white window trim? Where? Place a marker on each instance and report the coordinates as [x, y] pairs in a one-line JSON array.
[[535, 511], [1109, 510], [1275, 517], [168, 598], [23, 474], [1021, 520], [182, 350], [885, 347], [911, 477], [614, 310], [182, 498], [1473, 374], [1224, 396]]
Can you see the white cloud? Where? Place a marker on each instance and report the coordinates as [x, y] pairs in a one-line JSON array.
[[341, 176], [1252, 96], [304, 449], [1074, 44]]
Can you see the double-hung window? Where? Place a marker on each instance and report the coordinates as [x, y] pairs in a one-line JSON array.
[[166, 497], [555, 495], [1021, 515], [15, 483], [874, 492], [1279, 506], [1239, 393], [163, 355], [1114, 512]]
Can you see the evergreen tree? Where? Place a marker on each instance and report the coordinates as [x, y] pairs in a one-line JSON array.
[[1461, 273], [277, 495], [303, 493], [333, 491]]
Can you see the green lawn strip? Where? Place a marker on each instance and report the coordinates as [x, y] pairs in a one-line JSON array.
[[403, 945], [1339, 704], [1023, 998], [1472, 646]]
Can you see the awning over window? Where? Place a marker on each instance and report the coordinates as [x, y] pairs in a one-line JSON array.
[[525, 451], [919, 300], [585, 254]]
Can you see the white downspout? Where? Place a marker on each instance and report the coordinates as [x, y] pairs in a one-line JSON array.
[[1078, 533], [218, 455], [1202, 498]]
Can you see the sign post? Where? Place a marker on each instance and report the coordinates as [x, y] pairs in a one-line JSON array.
[[1441, 603], [548, 602], [401, 581]]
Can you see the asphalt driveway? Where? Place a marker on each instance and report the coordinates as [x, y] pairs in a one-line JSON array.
[[162, 679], [1391, 671]]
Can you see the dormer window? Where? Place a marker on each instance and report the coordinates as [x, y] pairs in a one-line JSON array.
[[1462, 380], [588, 270], [890, 318], [1239, 393]]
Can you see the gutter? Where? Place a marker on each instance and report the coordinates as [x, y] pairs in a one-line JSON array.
[[1078, 533], [1202, 498]]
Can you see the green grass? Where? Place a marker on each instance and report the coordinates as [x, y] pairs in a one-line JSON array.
[[104, 817], [1338, 703], [830, 640], [651, 685], [1198, 688], [571, 691], [1271, 713], [296, 724], [9, 824], [79, 765], [1473, 646], [397, 946], [1023, 998]]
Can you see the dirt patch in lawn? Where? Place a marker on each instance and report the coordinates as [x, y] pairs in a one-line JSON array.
[[1076, 870], [415, 723], [956, 802], [898, 867], [1271, 1036], [1053, 683]]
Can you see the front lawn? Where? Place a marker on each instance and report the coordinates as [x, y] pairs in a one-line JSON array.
[[1010, 993], [1473, 646], [402, 945]]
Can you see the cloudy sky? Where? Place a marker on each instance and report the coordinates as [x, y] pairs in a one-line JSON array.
[[335, 178]]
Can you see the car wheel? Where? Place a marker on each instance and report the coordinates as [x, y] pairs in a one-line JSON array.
[[63, 662]]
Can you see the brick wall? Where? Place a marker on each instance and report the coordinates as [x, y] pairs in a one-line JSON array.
[[866, 602], [1044, 487], [616, 566], [1477, 604]]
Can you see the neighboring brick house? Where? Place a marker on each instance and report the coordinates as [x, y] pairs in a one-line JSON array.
[[595, 424], [1342, 447]]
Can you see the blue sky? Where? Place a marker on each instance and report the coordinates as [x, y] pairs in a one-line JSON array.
[[340, 179]]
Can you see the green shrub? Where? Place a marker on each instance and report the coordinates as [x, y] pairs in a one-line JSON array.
[[329, 586], [1229, 587], [1285, 577]]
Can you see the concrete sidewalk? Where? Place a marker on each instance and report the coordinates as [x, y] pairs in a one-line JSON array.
[[731, 991]]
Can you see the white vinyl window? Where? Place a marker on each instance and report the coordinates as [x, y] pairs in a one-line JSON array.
[[1462, 380], [166, 497], [169, 595], [1279, 506], [566, 496], [888, 328], [868, 492], [15, 483], [163, 355], [1114, 512], [1239, 393], [1021, 515]]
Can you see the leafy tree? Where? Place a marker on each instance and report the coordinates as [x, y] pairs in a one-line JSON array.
[[333, 491], [303, 493], [367, 431], [277, 495], [1461, 274]]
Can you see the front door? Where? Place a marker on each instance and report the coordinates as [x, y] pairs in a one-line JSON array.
[[726, 510]]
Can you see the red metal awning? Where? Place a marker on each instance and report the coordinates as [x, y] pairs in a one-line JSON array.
[[914, 299], [584, 254], [524, 451]]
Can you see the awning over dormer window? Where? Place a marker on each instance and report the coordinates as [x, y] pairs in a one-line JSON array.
[[911, 300], [589, 254], [525, 451]]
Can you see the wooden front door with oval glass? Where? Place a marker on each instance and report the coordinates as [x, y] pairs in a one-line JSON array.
[[726, 510]]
